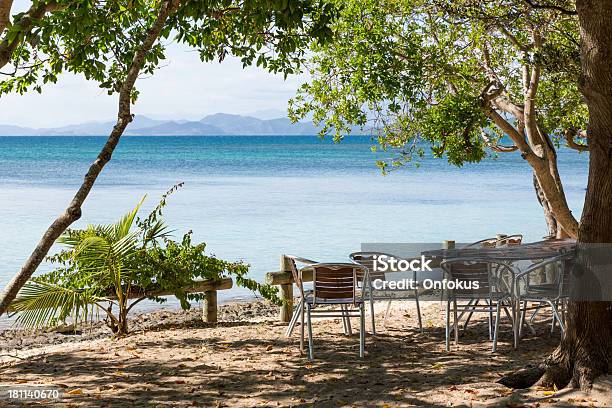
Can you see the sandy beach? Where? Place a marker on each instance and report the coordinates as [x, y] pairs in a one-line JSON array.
[[172, 359]]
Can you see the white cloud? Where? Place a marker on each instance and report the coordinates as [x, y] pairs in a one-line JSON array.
[[185, 88]]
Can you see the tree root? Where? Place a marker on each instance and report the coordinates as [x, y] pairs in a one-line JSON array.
[[585, 352], [523, 378], [574, 367]]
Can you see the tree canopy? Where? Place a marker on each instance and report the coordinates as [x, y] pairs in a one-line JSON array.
[[99, 39], [468, 78], [417, 70]]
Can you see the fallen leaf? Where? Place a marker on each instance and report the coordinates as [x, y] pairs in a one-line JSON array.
[[548, 393], [77, 391]]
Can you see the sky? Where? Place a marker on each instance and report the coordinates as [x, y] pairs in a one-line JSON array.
[[185, 88]]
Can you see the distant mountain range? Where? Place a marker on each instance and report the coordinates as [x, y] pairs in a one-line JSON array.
[[212, 125]]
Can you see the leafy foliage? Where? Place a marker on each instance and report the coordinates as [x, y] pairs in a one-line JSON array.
[[420, 73], [99, 39], [103, 266]]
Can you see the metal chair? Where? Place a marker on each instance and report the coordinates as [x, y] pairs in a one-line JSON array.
[[299, 309], [552, 291], [297, 279], [335, 284], [367, 260], [491, 289]]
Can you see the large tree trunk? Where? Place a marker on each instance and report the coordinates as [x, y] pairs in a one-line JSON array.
[[73, 212], [586, 349], [549, 216]]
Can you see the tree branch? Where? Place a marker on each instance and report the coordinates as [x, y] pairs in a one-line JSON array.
[[531, 78], [570, 137], [25, 24], [514, 134], [499, 97], [5, 13], [503, 103], [496, 147], [513, 39], [560, 9]]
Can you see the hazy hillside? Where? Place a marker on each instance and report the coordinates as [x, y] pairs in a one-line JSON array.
[[217, 124]]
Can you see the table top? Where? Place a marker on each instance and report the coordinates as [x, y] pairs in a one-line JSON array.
[[534, 250]]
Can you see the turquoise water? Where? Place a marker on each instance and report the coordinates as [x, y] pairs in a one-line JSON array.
[[254, 198]]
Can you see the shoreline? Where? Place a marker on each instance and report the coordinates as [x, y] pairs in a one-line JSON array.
[[149, 306], [15, 341]]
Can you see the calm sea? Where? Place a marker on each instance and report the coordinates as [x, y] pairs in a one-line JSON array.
[[254, 198]]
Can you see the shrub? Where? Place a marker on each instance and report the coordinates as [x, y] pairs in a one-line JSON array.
[[102, 266]]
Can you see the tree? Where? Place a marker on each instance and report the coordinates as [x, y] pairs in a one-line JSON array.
[[459, 76], [585, 351], [124, 84], [114, 42], [463, 77]]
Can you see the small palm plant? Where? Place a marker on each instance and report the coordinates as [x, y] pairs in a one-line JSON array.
[[102, 266], [95, 271]]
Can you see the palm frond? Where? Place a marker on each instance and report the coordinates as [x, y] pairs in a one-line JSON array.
[[71, 238], [123, 226], [157, 230], [93, 253], [125, 245], [40, 304], [120, 251]]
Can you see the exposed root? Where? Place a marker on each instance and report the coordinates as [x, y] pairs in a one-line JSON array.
[[585, 352], [558, 370], [523, 378]]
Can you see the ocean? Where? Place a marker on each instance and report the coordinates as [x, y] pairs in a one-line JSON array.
[[253, 198]]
